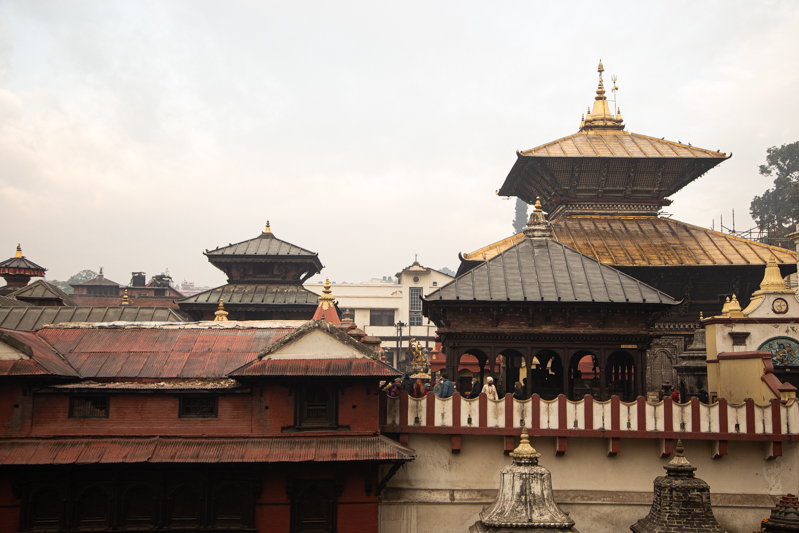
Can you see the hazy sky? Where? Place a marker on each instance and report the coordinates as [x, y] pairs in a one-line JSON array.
[[134, 135]]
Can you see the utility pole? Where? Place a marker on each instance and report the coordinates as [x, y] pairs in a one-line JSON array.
[[399, 325]]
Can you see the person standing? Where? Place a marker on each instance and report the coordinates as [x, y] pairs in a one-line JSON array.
[[490, 390], [447, 388], [477, 388], [438, 387], [519, 392], [407, 384], [675, 396]]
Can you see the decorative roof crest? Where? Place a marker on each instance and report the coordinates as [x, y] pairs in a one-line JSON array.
[[600, 118], [221, 314], [126, 298], [267, 229], [772, 279], [19, 251], [538, 227]]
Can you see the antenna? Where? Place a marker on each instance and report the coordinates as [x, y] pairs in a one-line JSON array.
[[733, 220], [615, 88]]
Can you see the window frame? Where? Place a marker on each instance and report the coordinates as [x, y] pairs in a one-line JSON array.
[[384, 313], [90, 398], [182, 406], [300, 420]]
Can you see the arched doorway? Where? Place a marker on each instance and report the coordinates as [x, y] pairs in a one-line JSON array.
[[546, 374], [514, 370], [583, 375], [475, 361], [620, 376]]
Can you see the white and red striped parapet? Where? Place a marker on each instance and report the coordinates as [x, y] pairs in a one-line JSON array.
[[613, 419]]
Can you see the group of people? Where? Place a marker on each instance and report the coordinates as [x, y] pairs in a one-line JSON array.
[[443, 388]]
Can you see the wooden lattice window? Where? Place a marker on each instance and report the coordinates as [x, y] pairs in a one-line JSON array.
[[198, 406], [317, 406], [88, 407]]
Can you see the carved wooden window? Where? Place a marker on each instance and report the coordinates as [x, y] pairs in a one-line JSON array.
[[138, 508], [46, 509], [229, 506], [198, 406], [314, 508], [93, 509], [88, 406], [184, 508], [317, 406]]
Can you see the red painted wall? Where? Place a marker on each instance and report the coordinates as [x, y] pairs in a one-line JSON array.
[[9, 507]]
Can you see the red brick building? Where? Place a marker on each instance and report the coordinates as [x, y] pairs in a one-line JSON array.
[[101, 291], [213, 427]]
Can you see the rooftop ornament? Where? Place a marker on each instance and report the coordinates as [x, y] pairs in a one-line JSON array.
[[126, 298], [538, 227], [221, 314], [525, 501], [267, 229], [327, 306], [600, 118]]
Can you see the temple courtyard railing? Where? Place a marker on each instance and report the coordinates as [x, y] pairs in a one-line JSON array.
[[719, 422]]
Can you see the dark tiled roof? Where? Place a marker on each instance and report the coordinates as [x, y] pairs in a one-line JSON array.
[[40, 289], [167, 352], [34, 317], [545, 270], [256, 294], [266, 244], [43, 360], [21, 263], [99, 280], [6, 301], [201, 450]]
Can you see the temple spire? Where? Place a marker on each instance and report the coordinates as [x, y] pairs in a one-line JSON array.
[[267, 229], [600, 118], [126, 298], [327, 307], [221, 314], [19, 251]]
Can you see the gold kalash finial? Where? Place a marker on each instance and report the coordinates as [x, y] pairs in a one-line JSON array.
[[267, 229], [221, 314], [19, 251], [600, 119], [326, 299], [126, 298], [524, 452]]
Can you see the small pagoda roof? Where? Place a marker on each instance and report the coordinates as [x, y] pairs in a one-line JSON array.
[[250, 294], [264, 245], [21, 263], [99, 280], [541, 269], [40, 289], [648, 241]]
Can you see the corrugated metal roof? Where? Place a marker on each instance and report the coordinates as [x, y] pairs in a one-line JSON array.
[[319, 367], [545, 270], [201, 450], [44, 360], [41, 289], [159, 352], [21, 263], [255, 294], [266, 244], [100, 279], [35, 317], [177, 385]]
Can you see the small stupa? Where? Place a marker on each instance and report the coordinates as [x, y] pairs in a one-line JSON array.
[[784, 517], [681, 501], [525, 502]]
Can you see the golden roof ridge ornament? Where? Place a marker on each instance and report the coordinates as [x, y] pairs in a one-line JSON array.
[[267, 229], [126, 298], [19, 250], [772, 279], [221, 314], [600, 119], [537, 226]]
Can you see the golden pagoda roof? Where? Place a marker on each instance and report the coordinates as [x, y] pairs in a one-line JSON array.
[[647, 241]]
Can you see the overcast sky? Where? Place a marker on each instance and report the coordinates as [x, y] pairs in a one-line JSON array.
[[135, 135]]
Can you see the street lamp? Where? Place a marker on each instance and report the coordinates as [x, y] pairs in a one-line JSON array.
[[399, 325]]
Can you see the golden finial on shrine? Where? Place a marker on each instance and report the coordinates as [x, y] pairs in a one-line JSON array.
[[600, 68], [538, 204], [267, 229], [524, 452], [221, 314], [126, 298], [19, 251]]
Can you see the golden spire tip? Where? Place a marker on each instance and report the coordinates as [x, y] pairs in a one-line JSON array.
[[267, 229], [221, 314], [538, 203], [19, 251]]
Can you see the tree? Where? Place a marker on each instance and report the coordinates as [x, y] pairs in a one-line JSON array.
[[778, 207], [80, 277], [520, 221]]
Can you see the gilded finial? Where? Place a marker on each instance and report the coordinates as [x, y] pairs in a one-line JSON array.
[[524, 452], [700, 316], [126, 298], [19, 251], [600, 69], [538, 204], [772, 280], [679, 457], [221, 314], [267, 229]]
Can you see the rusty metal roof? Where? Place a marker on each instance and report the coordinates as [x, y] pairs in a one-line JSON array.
[[249, 294], [173, 385], [266, 244], [20, 263], [648, 241], [159, 352], [319, 368], [42, 358], [100, 279], [60, 451], [41, 289], [34, 317], [546, 270]]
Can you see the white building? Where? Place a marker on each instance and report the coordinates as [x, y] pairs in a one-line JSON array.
[[378, 307]]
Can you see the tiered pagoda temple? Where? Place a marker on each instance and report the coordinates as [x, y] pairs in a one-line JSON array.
[[603, 188], [18, 271], [265, 277]]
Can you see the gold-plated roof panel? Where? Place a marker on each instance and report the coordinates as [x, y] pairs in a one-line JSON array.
[[604, 144], [648, 241]]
